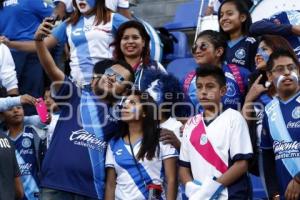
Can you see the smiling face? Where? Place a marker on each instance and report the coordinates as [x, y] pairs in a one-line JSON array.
[[262, 55], [204, 52], [285, 76], [132, 43], [230, 18], [85, 6]]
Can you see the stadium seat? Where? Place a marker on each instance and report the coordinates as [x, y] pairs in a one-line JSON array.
[[181, 67], [181, 47]]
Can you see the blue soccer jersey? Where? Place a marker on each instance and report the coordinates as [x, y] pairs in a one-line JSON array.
[[242, 52], [89, 44], [233, 98], [21, 18], [284, 149], [26, 158], [75, 159]]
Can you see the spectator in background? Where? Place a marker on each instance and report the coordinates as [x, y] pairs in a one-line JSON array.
[[87, 46], [235, 19], [280, 139], [19, 21], [8, 75], [132, 45], [285, 23]]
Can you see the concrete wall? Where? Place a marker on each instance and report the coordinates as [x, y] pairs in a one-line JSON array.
[[157, 12]]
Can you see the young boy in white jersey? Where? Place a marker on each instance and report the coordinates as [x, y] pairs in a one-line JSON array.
[[216, 146], [280, 141]]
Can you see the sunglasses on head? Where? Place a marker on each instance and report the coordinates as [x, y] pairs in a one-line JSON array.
[[111, 72], [203, 47]]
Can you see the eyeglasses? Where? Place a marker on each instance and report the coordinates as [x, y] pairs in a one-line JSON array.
[[111, 72], [280, 69], [203, 47]]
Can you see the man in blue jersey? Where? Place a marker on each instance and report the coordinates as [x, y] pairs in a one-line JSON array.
[[19, 21], [280, 140], [73, 167]]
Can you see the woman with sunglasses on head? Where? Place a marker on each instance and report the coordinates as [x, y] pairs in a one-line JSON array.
[[234, 21], [132, 45], [210, 48], [138, 164]]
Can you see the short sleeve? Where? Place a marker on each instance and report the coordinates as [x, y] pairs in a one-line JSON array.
[[110, 160], [117, 21], [266, 140], [184, 157], [240, 143], [167, 151], [60, 33]]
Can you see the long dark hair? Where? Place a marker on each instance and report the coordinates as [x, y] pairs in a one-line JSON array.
[[150, 125], [243, 8], [102, 14], [118, 54], [1, 4]]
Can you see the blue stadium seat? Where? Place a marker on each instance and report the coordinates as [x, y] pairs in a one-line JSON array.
[[181, 47], [181, 67]]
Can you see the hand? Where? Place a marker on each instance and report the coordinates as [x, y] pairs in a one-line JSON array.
[[296, 29], [292, 191], [4, 40], [43, 30], [168, 137], [255, 90], [27, 99]]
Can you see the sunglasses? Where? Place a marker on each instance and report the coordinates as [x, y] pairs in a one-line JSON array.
[[111, 72], [203, 47]]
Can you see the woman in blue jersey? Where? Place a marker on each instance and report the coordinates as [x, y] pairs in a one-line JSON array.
[[88, 32], [235, 20], [138, 165], [132, 45], [210, 48]]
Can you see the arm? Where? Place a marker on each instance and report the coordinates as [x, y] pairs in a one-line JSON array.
[[270, 172], [54, 73], [171, 177], [266, 26], [125, 12], [185, 174], [110, 184], [238, 169], [19, 188]]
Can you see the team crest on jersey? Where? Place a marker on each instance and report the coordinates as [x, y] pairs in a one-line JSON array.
[[203, 139], [296, 113], [26, 142], [240, 53], [119, 152], [230, 89]]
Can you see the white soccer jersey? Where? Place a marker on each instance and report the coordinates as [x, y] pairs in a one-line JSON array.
[[115, 4], [173, 125], [89, 44], [129, 181], [210, 155]]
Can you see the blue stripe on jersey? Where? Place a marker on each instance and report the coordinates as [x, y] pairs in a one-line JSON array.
[[126, 161], [29, 184], [80, 42], [90, 122]]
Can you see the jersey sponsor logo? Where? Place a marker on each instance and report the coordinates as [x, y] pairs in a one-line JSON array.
[[4, 143], [26, 143], [203, 139], [240, 53], [231, 91], [239, 62], [30, 135], [291, 124], [250, 39], [85, 139], [119, 152], [25, 168], [284, 149], [26, 151], [10, 3], [296, 113]]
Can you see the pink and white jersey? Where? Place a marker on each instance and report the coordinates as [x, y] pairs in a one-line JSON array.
[[89, 44], [209, 150]]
